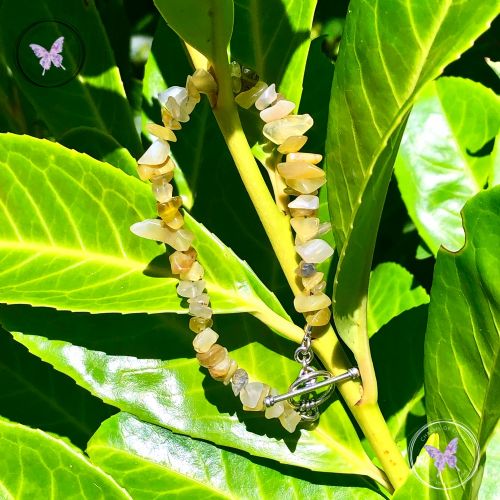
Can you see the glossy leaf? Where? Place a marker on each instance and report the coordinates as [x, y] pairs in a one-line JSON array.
[[462, 369], [391, 292], [178, 395], [64, 247], [94, 97], [439, 165], [148, 461], [205, 26], [36, 464], [489, 483], [381, 67]]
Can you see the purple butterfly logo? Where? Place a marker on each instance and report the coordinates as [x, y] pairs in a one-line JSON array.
[[49, 57], [446, 457]]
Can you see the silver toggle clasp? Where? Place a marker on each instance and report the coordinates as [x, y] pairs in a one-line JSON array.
[[307, 383]]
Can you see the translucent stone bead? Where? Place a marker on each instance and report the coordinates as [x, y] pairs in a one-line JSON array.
[[169, 121], [162, 189], [190, 289], [154, 229], [305, 201], [311, 281], [277, 409], [197, 324], [203, 299], [319, 287], [308, 157], [305, 228], [219, 371], [279, 110], [205, 340], [147, 172], [319, 318], [176, 222], [161, 132], [200, 311], [307, 303], [169, 209], [290, 418], [300, 170], [303, 212], [204, 82], [251, 396], [306, 186], [267, 97], [305, 269], [181, 261], [279, 130], [232, 370], [292, 144], [213, 356], [178, 94], [194, 273], [239, 380], [247, 99], [156, 154], [314, 251], [193, 95], [324, 227], [235, 77]]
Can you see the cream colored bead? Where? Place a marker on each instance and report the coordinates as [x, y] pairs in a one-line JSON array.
[[212, 357], [318, 318], [200, 311], [220, 370], [194, 273], [306, 186], [277, 409], [154, 229], [290, 419], [156, 154], [190, 289], [314, 251], [182, 261], [307, 303], [239, 380], [277, 111], [205, 340], [247, 99], [231, 371], [252, 396], [292, 144], [197, 324], [176, 222], [308, 157], [146, 172], [305, 201], [162, 189], [161, 132], [300, 170], [312, 281], [280, 130], [204, 82], [305, 228], [169, 121], [267, 97]]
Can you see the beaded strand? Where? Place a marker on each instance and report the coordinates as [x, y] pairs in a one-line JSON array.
[[302, 177]]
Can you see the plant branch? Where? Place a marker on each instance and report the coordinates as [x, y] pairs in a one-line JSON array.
[[277, 227]]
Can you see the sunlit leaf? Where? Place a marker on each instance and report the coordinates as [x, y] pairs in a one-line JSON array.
[[462, 368], [382, 65], [440, 164], [149, 460], [36, 464]]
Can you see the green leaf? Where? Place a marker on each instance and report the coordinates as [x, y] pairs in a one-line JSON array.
[[489, 483], [207, 26], [462, 350], [273, 38], [36, 464], [100, 146], [148, 460], [392, 291], [67, 243], [94, 97], [389, 51], [34, 394], [439, 165], [177, 394]]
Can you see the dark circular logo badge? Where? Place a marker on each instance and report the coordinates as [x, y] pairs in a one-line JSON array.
[[50, 53]]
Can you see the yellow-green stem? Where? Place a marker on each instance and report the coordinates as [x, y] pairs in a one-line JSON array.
[[276, 225]]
